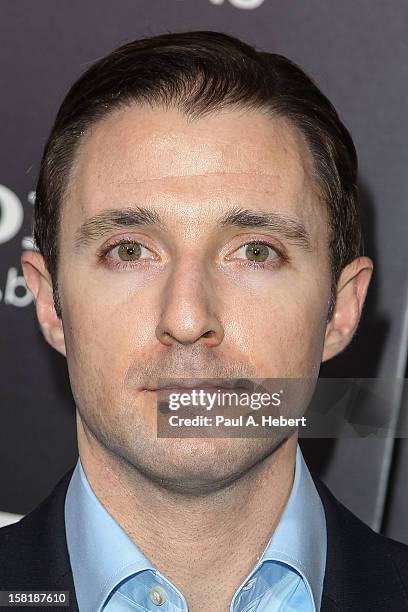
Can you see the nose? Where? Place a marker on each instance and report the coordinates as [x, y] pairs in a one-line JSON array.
[[188, 311]]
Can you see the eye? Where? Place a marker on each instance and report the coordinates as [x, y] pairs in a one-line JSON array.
[[128, 251], [258, 252]]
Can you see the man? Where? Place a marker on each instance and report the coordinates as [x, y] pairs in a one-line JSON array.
[[196, 218]]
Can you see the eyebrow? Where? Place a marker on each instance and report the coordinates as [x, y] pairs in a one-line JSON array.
[[113, 219], [291, 229], [110, 220]]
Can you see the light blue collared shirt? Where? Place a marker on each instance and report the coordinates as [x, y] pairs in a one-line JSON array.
[[111, 574]]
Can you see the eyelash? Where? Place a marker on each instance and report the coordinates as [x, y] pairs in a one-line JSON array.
[[263, 265]]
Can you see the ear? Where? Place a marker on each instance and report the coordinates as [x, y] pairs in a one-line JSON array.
[[351, 293], [38, 281]]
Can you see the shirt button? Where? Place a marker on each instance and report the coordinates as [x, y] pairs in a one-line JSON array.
[[157, 595]]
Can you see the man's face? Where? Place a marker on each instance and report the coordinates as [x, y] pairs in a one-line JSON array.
[[185, 296]]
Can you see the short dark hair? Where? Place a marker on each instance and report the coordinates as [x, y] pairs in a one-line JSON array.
[[200, 72]]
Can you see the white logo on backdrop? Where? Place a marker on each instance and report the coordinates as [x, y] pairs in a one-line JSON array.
[[11, 214], [241, 4], [15, 292]]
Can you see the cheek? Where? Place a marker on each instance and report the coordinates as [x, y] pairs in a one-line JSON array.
[[298, 339], [282, 331], [103, 332]]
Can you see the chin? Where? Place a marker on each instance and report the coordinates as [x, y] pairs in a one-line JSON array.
[[200, 465]]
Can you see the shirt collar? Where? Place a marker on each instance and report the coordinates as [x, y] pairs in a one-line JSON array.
[[102, 555], [300, 538]]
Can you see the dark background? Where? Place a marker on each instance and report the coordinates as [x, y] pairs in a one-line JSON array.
[[357, 51]]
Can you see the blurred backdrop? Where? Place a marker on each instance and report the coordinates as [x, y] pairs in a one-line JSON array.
[[357, 52]]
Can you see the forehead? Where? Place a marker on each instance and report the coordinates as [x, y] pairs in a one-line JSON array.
[[161, 154]]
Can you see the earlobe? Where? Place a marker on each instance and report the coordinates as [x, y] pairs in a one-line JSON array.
[[352, 289], [38, 281]]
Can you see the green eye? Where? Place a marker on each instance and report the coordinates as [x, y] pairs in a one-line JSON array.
[[129, 251], [256, 251]]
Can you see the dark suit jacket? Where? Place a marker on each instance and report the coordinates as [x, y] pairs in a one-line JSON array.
[[365, 571]]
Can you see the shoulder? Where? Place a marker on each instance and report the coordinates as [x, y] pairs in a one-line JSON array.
[[22, 537], [35, 547], [363, 567], [340, 517]]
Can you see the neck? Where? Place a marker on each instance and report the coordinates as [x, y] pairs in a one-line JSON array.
[[193, 540]]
